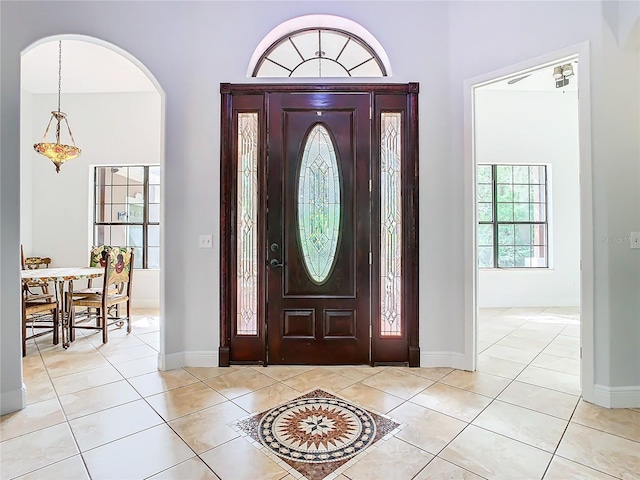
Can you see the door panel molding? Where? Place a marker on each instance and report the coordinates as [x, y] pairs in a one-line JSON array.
[[239, 98]]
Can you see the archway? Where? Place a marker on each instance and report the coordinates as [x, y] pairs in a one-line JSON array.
[[114, 104]]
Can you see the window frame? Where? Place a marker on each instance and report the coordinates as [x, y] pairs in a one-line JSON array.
[[495, 223], [145, 224], [350, 37]]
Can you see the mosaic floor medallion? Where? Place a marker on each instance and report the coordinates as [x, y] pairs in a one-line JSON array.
[[316, 433]]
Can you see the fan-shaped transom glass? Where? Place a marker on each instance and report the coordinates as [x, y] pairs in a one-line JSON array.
[[319, 52], [319, 204]]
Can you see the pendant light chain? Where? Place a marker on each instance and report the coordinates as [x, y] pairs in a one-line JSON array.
[[59, 71], [57, 152]]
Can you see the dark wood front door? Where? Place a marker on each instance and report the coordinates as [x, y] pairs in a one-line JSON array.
[[318, 229], [319, 224]]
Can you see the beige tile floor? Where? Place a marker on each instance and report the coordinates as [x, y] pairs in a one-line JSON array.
[[105, 411]]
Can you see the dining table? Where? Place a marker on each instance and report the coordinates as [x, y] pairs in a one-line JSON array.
[[62, 278]]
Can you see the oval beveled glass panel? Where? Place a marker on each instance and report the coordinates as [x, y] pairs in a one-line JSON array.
[[319, 204]]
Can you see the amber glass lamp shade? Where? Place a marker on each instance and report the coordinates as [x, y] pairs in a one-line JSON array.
[[57, 152]]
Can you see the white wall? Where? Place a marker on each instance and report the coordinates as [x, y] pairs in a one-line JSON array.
[[26, 179], [440, 45], [110, 128], [532, 128]]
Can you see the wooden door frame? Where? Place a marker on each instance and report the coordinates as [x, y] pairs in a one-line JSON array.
[[254, 98]]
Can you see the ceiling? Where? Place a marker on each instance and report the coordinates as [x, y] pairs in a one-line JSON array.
[[540, 80], [86, 68]]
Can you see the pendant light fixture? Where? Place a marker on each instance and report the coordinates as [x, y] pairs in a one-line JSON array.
[[57, 152]]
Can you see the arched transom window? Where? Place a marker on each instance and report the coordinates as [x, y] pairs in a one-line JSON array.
[[319, 52]]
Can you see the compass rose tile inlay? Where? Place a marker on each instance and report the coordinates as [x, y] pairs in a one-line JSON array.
[[317, 432]]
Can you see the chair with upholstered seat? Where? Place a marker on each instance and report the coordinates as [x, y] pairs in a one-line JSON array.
[[101, 303]]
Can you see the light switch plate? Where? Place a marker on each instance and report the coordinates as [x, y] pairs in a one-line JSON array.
[[635, 239], [205, 241]]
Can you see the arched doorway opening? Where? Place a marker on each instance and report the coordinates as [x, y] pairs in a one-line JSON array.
[[111, 194]]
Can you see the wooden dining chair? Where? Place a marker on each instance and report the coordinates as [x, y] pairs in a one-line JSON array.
[[101, 303], [40, 314], [37, 289]]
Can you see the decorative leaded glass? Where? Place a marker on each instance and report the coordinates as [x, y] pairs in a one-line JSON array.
[[391, 225], [319, 52], [247, 253], [319, 204]]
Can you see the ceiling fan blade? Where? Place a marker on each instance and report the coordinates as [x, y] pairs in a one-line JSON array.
[[516, 80]]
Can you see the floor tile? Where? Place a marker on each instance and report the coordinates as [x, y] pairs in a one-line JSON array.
[[601, 451], [125, 459], [265, 398], [494, 456], [130, 353], [563, 350], [559, 364], [541, 399], [80, 361], [562, 339], [318, 377], [488, 312], [208, 428], [139, 366], [35, 450], [39, 390], [240, 460], [32, 365], [192, 469], [398, 383], [510, 353], [527, 426], [563, 469], [499, 367], [370, 397], [525, 343], [99, 398], [39, 415], [434, 373], [476, 382], [570, 311], [617, 421], [75, 382], [357, 373], [70, 468], [184, 400], [240, 382], [439, 469], [152, 339], [112, 424], [205, 373], [397, 459], [158, 382], [144, 324], [513, 321], [452, 401], [562, 382], [118, 340], [571, 331], [426, 429], [282, 372]]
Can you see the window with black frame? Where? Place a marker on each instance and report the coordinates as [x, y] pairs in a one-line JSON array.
[[127, 210], [512, 216]]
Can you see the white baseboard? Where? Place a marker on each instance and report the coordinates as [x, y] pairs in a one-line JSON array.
[[443, 359], [188, 359], [13, 401], [616, 397], [145, 303]]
